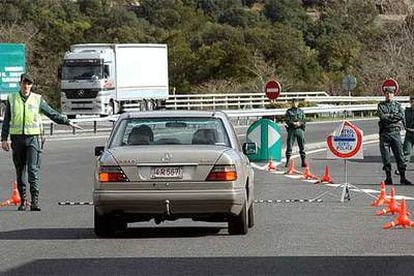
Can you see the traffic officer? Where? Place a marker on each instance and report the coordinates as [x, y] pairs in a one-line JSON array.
[[391, 118], [409, 127], [22, 121], [295, 126]]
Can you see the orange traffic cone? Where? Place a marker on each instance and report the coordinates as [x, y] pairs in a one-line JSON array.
[[15, 197], [402, 218], [325, 178], [271, 166], [393, 206], [291, 168], [307, 174], [382, 198]]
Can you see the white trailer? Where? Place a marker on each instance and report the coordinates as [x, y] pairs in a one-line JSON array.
[[102, 79]]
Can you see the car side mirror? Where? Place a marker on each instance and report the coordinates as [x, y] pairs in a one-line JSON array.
[[99, 150], [249, 148]]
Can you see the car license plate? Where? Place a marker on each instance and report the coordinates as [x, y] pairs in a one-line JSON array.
[[166, 172]]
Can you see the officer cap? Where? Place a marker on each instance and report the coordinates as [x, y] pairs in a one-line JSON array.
[[26, 77]]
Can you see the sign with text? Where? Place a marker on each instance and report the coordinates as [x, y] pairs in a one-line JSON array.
[[12, 65], [345, 142]]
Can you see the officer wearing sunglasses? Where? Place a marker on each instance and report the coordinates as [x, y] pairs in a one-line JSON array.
[[390, 124]]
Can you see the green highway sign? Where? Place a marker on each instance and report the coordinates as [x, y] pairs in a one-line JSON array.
[[12, 65], [267, 136]]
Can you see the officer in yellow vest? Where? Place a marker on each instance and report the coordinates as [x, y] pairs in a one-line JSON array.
[[22, 121]]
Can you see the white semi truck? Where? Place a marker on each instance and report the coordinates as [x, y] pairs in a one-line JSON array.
[[103, 79]]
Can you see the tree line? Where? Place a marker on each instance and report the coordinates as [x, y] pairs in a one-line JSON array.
[[225, 46]]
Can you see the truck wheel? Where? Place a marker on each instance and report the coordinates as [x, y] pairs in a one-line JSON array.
[[143, 105], [150, 105], [110, 109], [238, 224]]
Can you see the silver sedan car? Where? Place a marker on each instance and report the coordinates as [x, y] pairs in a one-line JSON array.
[[166, 165]]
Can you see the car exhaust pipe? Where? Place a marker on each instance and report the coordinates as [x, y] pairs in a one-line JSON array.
[[167, 207]]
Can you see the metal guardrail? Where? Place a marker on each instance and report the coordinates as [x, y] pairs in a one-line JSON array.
[[259, 100], [239, 101], [234, 100], [334, 110], [245, 105], [248, 114]]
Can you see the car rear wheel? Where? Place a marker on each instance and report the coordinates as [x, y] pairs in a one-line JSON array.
[[102, 225], [251, 216], [238, 224], [106, 225]]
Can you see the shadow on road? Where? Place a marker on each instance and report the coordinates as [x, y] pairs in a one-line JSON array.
[[88, 233], [325, 265], [367, 159]]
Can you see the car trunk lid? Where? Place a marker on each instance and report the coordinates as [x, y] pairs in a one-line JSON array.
[[172, 163]]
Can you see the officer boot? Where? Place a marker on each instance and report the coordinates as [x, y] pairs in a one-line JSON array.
[[403, 180], [287, 161], [304, 163], [388, 179], [23, 203], [35, 204]]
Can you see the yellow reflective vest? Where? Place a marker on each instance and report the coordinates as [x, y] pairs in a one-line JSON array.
[[25, 116]]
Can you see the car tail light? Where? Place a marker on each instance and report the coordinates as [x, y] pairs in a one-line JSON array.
[[112, 174], [222, 173]]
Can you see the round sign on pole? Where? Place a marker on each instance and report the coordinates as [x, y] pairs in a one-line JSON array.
[[272, 89], [390, 85], [349, 83], [348, 144]]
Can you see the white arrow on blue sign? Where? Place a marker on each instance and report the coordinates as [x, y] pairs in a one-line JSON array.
[[266, 134]]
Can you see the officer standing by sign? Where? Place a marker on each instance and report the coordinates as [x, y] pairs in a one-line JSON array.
[[409, 127], [295, 126], [22, 121], [391, 118]]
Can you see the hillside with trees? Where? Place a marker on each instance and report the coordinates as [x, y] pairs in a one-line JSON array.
[[225, 46]]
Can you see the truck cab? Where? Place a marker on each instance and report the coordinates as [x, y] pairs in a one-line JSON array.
[[104, 79], [87, 81]]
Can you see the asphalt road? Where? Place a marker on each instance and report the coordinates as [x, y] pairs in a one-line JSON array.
[[325, 238]]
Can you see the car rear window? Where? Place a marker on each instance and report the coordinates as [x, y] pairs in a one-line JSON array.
[[170, 131]]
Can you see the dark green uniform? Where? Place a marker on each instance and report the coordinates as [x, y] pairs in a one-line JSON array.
[[391, 118], [409, 135], [26, 149], [295, 132]]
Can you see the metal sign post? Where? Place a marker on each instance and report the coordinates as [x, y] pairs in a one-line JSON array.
[[345, 191], [349, 83]]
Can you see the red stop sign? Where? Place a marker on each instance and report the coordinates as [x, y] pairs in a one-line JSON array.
[[390, 85], [272, 89]]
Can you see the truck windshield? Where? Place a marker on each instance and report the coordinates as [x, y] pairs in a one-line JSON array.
[[82, 71]]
